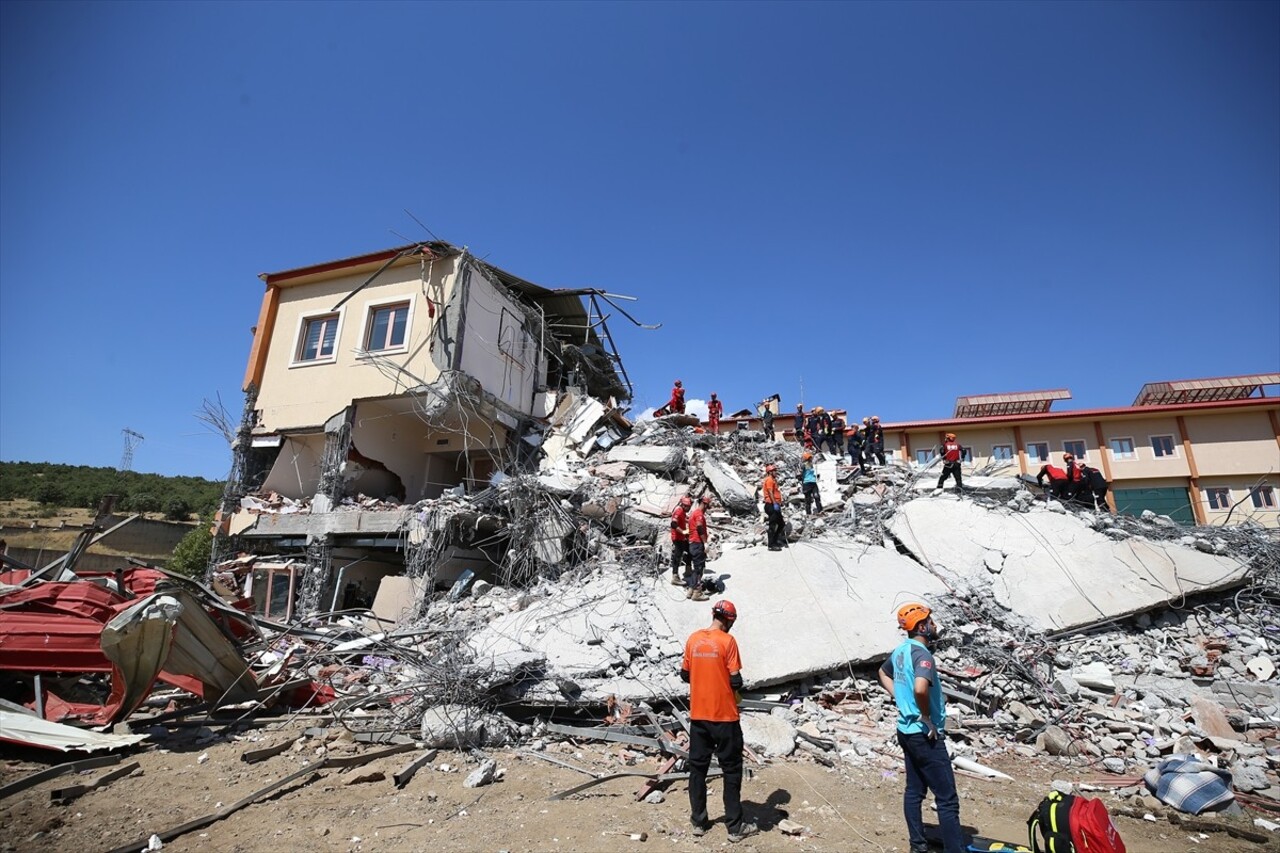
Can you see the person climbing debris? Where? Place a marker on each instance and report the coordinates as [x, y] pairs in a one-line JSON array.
[[675, 405], [809, 484], [773, 508]]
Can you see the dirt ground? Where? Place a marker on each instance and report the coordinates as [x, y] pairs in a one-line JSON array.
[[845, 809]]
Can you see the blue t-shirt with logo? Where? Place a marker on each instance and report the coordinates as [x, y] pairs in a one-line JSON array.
[[910, 661]]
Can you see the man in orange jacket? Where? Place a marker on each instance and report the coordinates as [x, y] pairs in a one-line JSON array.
[[714, 410], [773, 507]]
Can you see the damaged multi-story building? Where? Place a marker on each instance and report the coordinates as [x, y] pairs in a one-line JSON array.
[[379, 384]]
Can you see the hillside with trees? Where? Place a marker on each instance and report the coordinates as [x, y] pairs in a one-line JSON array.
[[53, 485]]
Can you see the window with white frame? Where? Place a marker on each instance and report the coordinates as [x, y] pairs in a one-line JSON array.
[[1162, 446], [1263, 497], [319, 338], [1075, 448], [1002, 452], [1218, 497], [387, 327], [1122, 448], [1038, 452]]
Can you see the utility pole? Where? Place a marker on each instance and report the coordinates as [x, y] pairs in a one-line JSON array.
[[131, 440]]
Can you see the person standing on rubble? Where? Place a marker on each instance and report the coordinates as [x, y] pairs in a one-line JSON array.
[[952, 453], [809, 484], [675, 406], [714, 410], [697, 549], [910, 676], [875, 441], [680, 539], [799, 426], [712, 668], [773, 508], [837, 436], [856, 455], [767, 419]]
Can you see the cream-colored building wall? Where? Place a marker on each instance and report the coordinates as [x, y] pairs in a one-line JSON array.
[[1239, 497], [1055, 434], [297, 395], [981, 443], [1236, 443], [296, 472], [496, 349], [1146, 464]]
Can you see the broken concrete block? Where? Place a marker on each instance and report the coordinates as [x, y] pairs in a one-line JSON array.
[[1095, 676], [733, 493], [453, 727], [651, 458], [482, 775], [768, 735], [1058, 742]]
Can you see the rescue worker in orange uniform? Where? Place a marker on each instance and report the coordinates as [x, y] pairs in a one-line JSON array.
[[697, 549], [773, 507], [952, 454], [675, 406], [712, 668], [680, 539], [714, 410]]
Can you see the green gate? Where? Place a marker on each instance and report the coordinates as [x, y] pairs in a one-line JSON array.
[[1175, 503]]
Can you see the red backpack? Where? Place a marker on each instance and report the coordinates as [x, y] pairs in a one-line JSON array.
[[1064, 823]]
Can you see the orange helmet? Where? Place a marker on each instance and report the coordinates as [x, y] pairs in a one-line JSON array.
[[725, 610], [911, 615], [951, 436], [808, 456], [770, 468]]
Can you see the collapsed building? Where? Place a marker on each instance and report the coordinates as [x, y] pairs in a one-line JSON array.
[[378, 384]]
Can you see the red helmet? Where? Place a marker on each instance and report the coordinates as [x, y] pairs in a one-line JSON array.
[[911, 615], [725, 610], [686, 502], [770, 468], [706, 500]]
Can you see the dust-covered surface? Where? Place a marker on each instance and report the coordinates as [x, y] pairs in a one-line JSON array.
[[844, 809]]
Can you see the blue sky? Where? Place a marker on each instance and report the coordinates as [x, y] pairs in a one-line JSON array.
[[887, 205]]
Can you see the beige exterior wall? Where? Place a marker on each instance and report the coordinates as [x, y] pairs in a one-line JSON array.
[[496, 348], [297, 395], [1145, 464], [1239, 497], [1237, 443]]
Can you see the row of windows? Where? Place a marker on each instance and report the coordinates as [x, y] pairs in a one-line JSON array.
[[384, 330], [1219, 497], [1162, 446]]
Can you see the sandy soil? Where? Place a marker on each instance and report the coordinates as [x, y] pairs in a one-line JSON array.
[[845, 810]]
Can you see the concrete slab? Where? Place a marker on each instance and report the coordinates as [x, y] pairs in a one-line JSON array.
[[1055, 571], [651, 458], [733, 493]]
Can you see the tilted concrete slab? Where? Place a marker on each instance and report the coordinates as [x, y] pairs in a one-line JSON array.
[[732, 492], [341, 523], [651, 458], [802, 611], [1052, 568]]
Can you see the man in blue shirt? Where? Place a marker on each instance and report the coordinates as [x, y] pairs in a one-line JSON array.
[[911, 677]]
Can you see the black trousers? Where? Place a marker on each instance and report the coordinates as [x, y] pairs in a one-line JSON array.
[[776, 526], [876, 453], [725, 740], [693, 575], [680, 554], [950, 469], [811, 497]]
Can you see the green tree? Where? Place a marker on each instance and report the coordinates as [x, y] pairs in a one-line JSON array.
[[50, 493], [177, 509], [143, 502], [191, 554]]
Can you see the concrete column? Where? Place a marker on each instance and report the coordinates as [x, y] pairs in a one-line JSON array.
[[1197, 507]]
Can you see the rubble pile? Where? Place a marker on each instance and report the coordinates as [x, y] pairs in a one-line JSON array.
[[1103, 641]]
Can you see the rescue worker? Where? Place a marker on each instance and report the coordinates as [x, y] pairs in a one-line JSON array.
[[1057, 480], [799, 426], [809, 484], [911, 677], [875, 441], [675, 406], [952, 454], [712, 668], [697, 549], [837, 436], [767, 419], [714, 410], [680, 539], [1074, 479], [857, 457], [1093, 488], [773, 507]]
